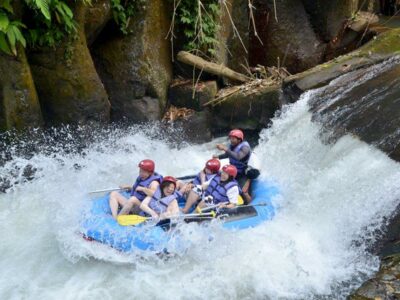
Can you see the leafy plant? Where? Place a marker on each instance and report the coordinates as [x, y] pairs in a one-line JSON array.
[[196, 19], [123, 11]]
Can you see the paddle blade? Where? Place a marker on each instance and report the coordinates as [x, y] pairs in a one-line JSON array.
[[130, 220]]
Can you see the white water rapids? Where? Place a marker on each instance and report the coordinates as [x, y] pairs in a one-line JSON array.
[[333, 199]]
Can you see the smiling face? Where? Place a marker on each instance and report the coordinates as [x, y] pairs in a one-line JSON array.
[[224, 176], [169, 189]]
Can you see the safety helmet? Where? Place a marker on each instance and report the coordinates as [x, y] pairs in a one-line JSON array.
[[169, 179], [237, 133], [213, 165], [147, 165], [230, 170]]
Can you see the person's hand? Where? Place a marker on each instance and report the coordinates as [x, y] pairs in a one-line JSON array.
[[188, 188], [125, 187], [222, 147], [215, 156]]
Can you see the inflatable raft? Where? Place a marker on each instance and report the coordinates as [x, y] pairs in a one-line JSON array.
[[98, 224]]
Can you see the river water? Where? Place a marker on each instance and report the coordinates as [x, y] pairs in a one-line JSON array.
[[334, 200]]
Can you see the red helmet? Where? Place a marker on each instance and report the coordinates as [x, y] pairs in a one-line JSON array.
[[147, 165], [169, 179], [237, 133], [230, 170], [213, 165]]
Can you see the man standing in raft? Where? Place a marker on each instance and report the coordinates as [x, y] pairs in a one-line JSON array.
[[238, 152], [147, 179]]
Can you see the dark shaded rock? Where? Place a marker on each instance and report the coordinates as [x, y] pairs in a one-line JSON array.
[[329, 17], [384, 46], [290, 38], [137, 65], [385, 284], [232, 51], [197, 128], [370, 110], [69, 89], [97, 16], [19, 102], [186, 95], [250, 108]]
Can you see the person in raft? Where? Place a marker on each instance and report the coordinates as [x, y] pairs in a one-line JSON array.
[[201, 182], [163, 203], [223, 190], [147, 179], [238, 152]]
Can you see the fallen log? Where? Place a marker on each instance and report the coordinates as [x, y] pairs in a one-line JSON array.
[[210, 67]]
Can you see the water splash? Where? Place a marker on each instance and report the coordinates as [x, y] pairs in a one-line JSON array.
[[333, 198]]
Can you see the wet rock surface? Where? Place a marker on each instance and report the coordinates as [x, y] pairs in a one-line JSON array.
[[186, 94], [137, 66]]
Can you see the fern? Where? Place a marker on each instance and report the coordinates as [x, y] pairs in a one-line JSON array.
[[43, 6]]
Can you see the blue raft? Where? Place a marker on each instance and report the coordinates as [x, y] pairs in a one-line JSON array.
[[99, 225]]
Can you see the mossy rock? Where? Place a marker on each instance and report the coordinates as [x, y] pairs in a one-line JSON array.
[[69, 89], [139, 64], [96, 17], [18, 97], [251, 109], [378, 49], [190, 96]]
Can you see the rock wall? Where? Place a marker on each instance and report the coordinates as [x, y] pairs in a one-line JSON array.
[[136, 69], [69, 89], [19, 102]]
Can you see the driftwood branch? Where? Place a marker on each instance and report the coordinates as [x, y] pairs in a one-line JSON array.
[[210, 67]]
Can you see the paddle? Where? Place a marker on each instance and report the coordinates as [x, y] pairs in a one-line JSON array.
[[120, 189], [132, 220], [211, 208]]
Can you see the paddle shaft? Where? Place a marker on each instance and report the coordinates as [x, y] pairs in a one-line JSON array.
[[247, 205]]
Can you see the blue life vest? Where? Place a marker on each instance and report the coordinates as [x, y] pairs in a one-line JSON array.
[[241, 165], [144, 183], [217, 189], [197, 180], [160, 204]]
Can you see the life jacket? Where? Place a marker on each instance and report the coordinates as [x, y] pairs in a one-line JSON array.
[[144, 183], [241, 165], [217, 189], [197, 180], [160, 204]]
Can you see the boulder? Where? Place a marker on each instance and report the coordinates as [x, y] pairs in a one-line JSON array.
[[385, 284], [232, 49], [378, 49], [18, 97], [249, 106], [136, 66], [69, 89], [369, 110], [96, 17], [196, 128], [289, 39], [329, 17], [184, 94]]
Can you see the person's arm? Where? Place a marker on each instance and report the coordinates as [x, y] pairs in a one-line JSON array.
[[150, 190], [233, 195], [172, 210], [145, 207], [239, 155], [202, 177]]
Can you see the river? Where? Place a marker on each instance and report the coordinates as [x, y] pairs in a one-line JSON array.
[[333, 201]]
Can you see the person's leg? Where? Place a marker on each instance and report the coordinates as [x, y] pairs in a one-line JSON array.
[[116, 200], [190, 201], [129, 204]]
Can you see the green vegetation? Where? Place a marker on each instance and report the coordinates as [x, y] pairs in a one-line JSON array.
[[197, 22], [44, 23], [123, 10]]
